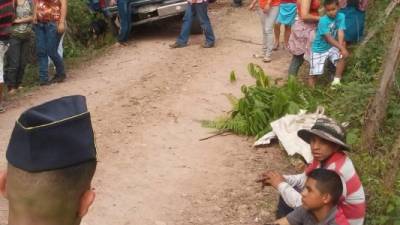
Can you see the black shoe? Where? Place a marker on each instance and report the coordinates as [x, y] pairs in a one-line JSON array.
[[44, 83], [177, 45], [208, 45], [58, 79], [236, 5]]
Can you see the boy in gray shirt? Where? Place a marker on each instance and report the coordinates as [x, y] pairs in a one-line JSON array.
[[320, 197]]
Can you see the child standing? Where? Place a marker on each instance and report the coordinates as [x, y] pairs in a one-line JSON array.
[[6, 18], [268, 12], [18, 51], [327, 142], [287, 15], [329, 43]]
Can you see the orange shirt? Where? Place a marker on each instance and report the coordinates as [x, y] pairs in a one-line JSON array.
[[262, 3]]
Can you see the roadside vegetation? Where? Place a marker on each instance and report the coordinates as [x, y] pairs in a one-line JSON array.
[[264, 102]]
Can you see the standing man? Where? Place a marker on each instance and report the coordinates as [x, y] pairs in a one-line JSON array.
[[51, 162], [49, 19], [199, 9], [124, 13], [6, 19]]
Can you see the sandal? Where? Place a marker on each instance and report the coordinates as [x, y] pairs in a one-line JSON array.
[[2, 108]]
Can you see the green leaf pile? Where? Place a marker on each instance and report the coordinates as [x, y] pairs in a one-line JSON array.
[[263, 103]]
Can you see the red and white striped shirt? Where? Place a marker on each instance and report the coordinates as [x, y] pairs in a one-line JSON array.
[[353, 200], [196, 1]]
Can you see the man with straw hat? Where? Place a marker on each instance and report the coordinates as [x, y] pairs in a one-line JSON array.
[[327, 143]]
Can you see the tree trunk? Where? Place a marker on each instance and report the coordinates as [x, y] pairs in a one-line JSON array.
[[377, 110]]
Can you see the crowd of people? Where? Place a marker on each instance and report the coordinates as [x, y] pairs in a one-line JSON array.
[[21, 23], [321, 38], [329, 191]]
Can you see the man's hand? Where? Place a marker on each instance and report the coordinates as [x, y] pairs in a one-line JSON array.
[[271, 178], [266, 9], [61, 27], [252, 6], [344, 52], [274, 178], [17, 21], [34, 19]]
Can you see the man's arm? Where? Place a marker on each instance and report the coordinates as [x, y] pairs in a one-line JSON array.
[[335, 43], [63, 16], [305, 12], [267, 6], [281, 221], [252, 4], [341, 38], [34, 19], [288, 193], [297, 180]]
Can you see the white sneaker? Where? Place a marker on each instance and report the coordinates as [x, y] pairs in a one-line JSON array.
[[335, 82], [258, 56], [267, 59]]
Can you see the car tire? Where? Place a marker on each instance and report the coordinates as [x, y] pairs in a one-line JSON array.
[[115, 24]]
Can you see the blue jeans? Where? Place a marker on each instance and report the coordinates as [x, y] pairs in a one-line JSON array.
[[124, 13], [47, 41], [200, 11]]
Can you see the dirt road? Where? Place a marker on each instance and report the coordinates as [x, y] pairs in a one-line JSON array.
[[145, 101]]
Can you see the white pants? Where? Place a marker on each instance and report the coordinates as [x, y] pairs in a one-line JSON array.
[[267, 22]]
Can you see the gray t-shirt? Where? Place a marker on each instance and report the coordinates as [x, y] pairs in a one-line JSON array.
[[301, 216]]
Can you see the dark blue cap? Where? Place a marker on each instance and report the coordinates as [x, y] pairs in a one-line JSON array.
[[53, 135]]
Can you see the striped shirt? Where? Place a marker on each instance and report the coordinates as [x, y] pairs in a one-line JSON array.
[[353, 200], [196, 1], [6, 18]]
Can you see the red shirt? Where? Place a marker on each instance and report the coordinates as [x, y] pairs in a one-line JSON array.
[[262, 3], [314, 7], [353, 204], [48, 10]]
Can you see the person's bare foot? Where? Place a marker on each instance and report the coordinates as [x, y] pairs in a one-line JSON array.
[[276, 47], [286, 46]]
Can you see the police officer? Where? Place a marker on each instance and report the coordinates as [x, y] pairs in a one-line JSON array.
[[51, 162]]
